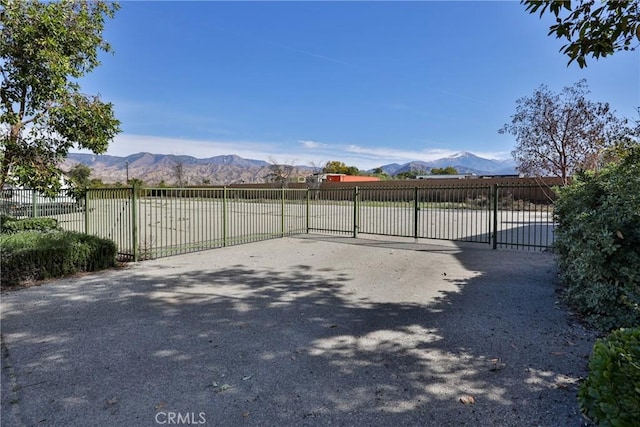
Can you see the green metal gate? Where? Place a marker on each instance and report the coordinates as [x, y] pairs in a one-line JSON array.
[[156, 222]]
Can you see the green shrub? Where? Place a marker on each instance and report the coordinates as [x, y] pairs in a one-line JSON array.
[[610, 395], [12, 225], [598, 243], [35, 256]]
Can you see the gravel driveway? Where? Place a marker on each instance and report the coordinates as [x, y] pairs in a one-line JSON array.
[[298, 331]]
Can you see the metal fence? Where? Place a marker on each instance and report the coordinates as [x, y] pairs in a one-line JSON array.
[[156, 222]]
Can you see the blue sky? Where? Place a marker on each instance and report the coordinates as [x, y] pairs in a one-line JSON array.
[[366, 83]]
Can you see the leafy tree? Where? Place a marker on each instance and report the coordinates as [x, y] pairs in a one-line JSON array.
[[136, 182], [96, 183], [591, 29], [79, 175], [79, 180], [625, 144], [412, 174], [335, 166], [559, 134], [380, 173], [45, 48], [449, 170]]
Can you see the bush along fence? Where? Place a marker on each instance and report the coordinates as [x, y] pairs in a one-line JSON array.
[[155, 222]]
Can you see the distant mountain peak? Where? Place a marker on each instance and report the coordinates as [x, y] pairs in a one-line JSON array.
[[463, 162], [462, 155]]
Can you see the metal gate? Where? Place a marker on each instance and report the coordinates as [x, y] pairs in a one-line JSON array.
[[155, 222]]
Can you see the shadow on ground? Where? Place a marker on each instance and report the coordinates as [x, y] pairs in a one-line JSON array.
[[299, 332]]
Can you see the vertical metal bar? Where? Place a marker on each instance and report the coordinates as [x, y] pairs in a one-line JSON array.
[[224, 216], [282, 226], [494, 232], [308, 213], [416, 213], [134, 222], [34, 201], [86, 212], [355, 212]]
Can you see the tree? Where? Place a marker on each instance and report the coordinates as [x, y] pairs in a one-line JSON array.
[[45, 48], [179, 172], [411, 174], [335, 166], [591, 29], [79, 176], [625, 144], [449, 170], [559, 134], [136, 182], [279, 173]]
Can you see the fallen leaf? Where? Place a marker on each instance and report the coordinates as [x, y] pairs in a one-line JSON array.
[[557, 353], [112, 401], [223, 387], [619, 234], [248, 377], [467, 400], [514, 346], [496, 365], [245, 414], [160, 405]]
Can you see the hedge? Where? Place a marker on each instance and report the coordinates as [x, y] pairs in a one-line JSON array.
[[610, 395], [12, 225], [31, 255], [598, 243]]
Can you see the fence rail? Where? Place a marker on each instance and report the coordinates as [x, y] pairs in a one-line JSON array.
[[157, 222]]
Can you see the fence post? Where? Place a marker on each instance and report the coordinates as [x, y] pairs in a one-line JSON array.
[[282, 204], [355, 211], [86, 211], [416, 213], [224, 216], [134, 222], [308, 206], [494, 232], [34, 206]]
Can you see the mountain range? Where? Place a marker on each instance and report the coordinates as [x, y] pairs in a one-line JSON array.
[[463, 162], [230, 169]]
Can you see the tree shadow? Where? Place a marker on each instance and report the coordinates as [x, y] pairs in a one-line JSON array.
[[302, 343]]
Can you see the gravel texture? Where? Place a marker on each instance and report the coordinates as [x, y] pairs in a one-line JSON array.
[[311, 331]]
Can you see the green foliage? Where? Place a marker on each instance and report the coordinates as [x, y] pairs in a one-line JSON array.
[[339, 167], [610, 395], [136, 182], [79, 175], [79, 180], [412, 174], [592, 29], [598, 243], [10, 225], [45, 47], [449, 170], [35, 256]]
